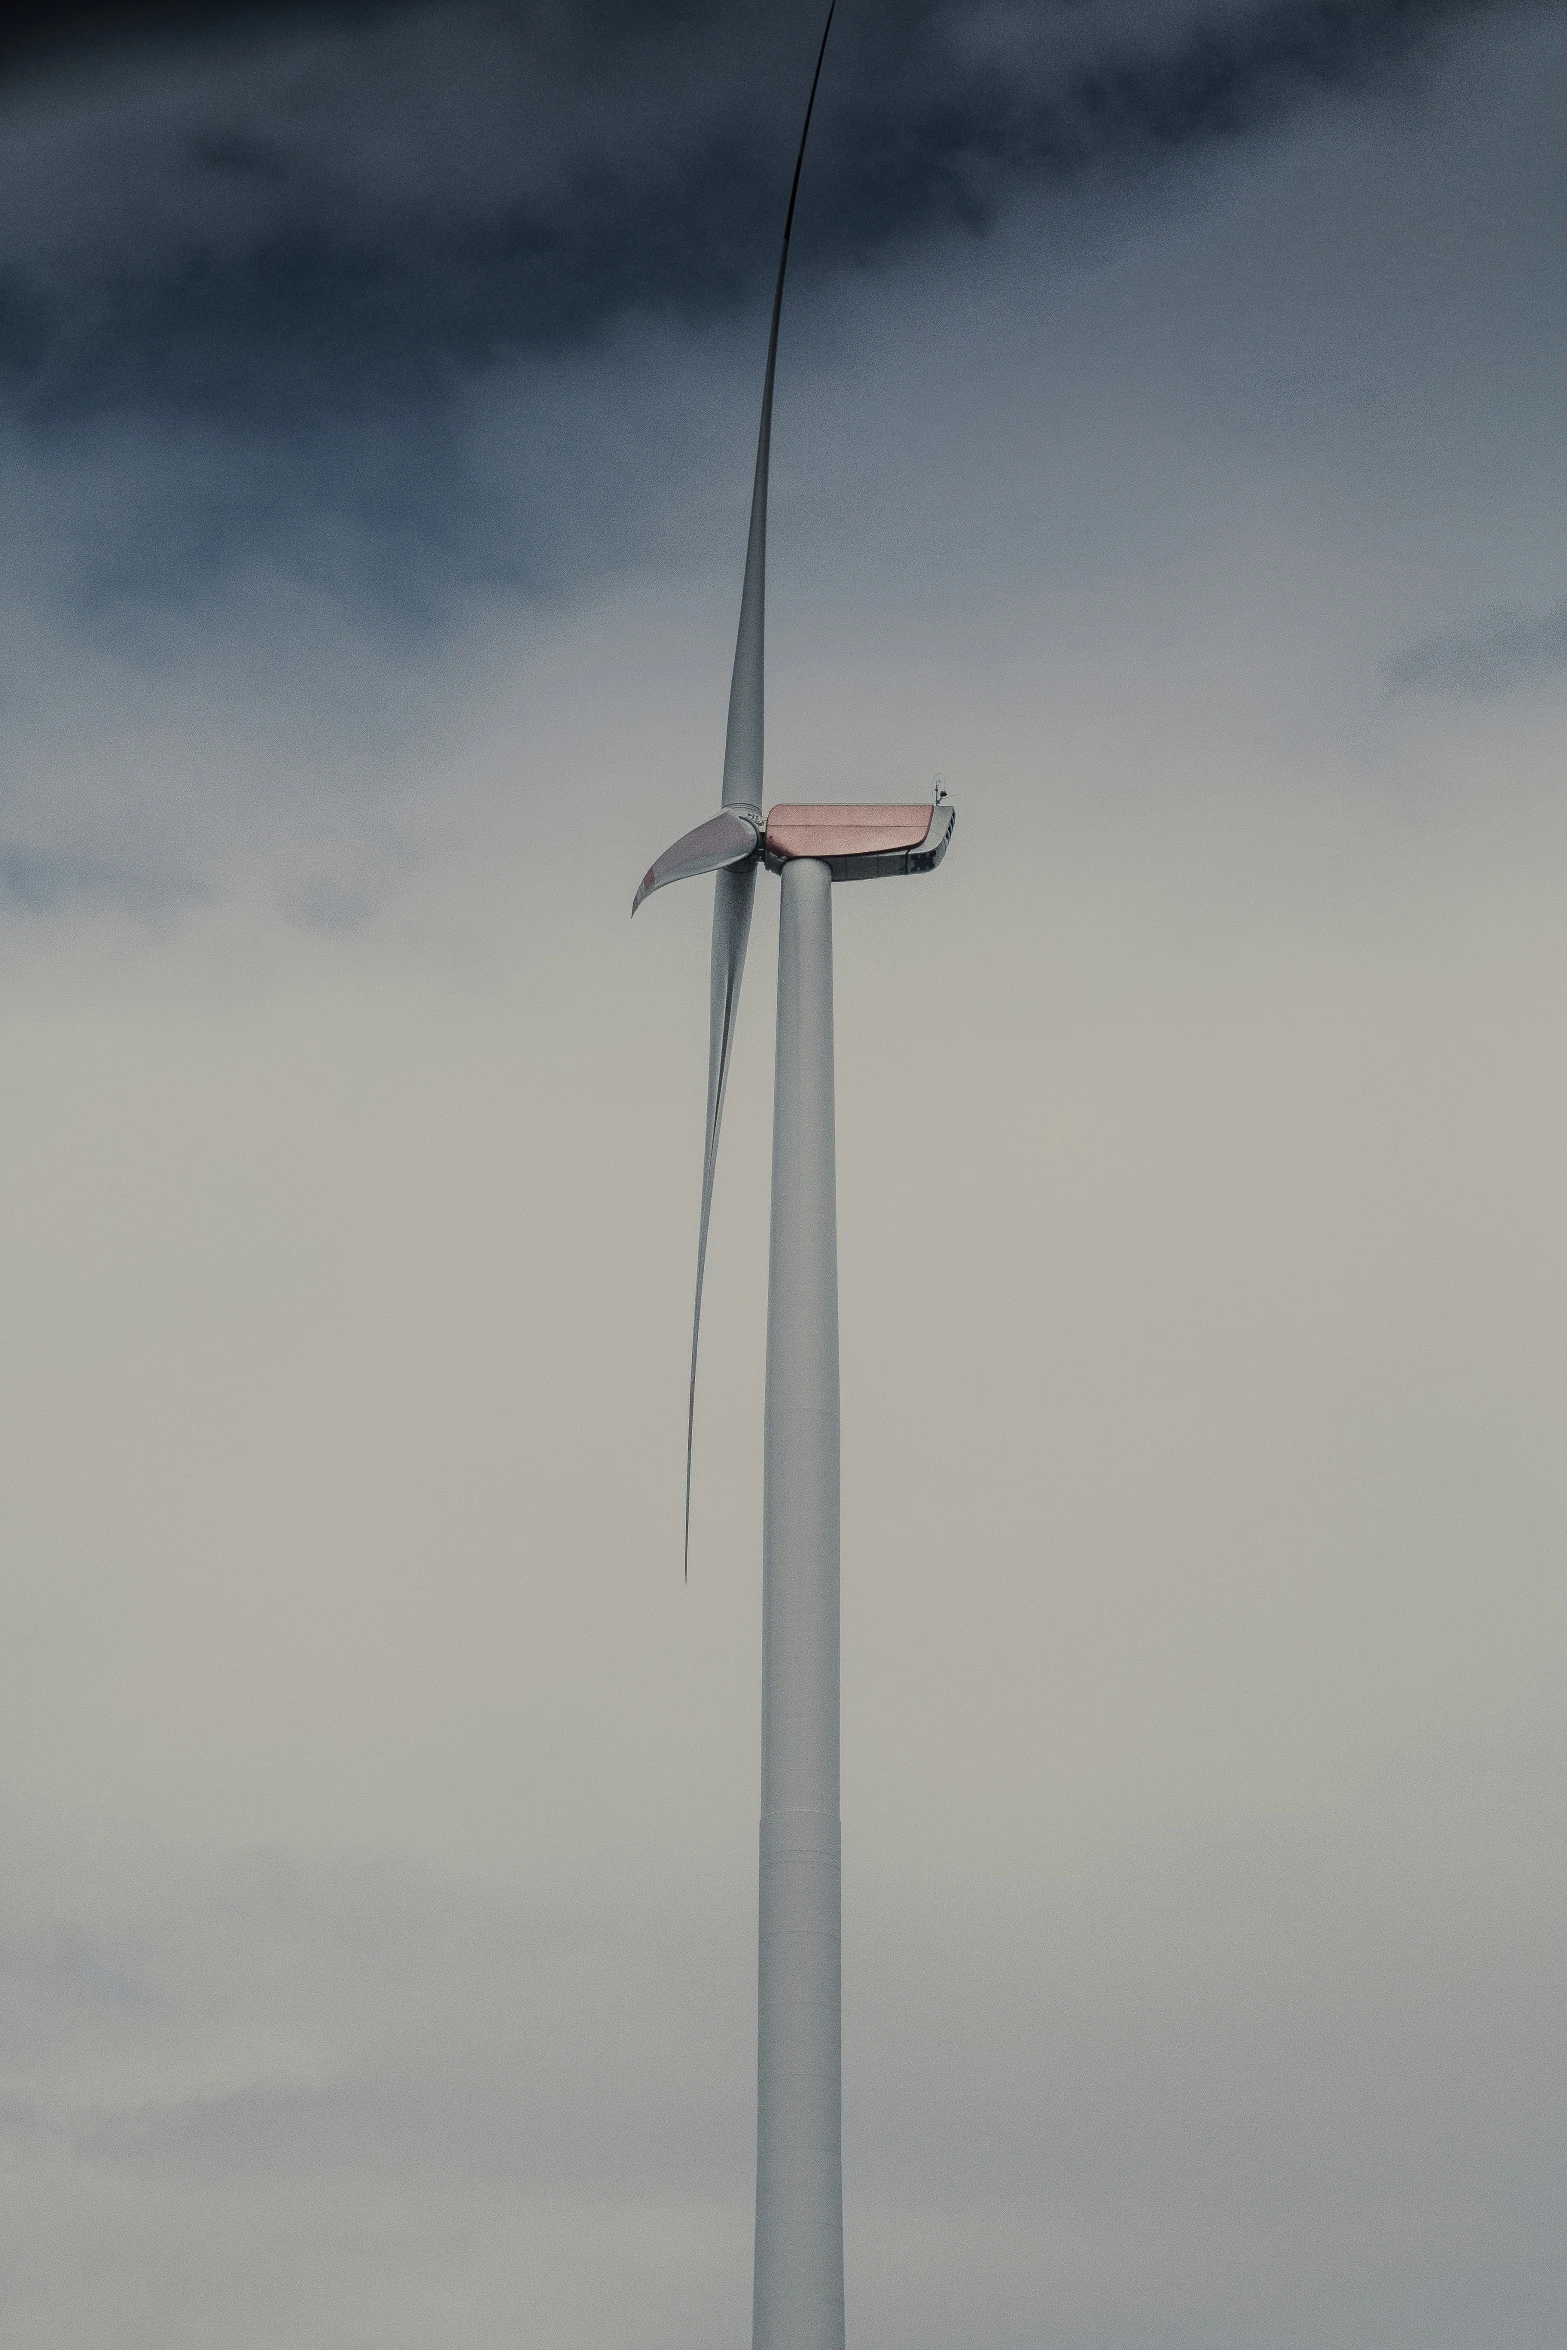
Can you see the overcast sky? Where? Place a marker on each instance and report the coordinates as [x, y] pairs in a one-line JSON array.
[[1169, 456]]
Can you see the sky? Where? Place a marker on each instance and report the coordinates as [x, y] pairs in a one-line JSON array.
[[1167, 458]]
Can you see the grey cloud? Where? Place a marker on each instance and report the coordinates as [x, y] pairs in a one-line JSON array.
[[1307, 2058], [337, 219], [270, 545], [254, 282], [1507, 648], [40, 881]]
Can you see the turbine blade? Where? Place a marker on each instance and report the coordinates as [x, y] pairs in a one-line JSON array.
[[725, 839], [733, 894], [735, 886], [743, 742]]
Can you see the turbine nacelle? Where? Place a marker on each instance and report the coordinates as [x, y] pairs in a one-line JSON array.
[[863, 842], [856, 842]]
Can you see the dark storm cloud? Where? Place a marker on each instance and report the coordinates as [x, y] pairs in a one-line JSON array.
[[298, 218], [326, 332], [1505, 649]]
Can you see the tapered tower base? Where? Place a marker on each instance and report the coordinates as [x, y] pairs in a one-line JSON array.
[[799, 2167]]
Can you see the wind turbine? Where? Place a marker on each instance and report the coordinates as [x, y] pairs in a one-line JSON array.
[[798, 2290]]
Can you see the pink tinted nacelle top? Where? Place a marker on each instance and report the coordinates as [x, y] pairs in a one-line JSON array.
[[852, 840]]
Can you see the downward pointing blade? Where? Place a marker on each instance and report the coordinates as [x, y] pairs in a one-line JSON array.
[[733, 894]]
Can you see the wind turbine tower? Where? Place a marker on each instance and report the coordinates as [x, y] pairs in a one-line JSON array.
[[798, 2293]]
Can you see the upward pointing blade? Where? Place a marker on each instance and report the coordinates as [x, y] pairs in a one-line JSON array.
[[735, 890], [743, 743]]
